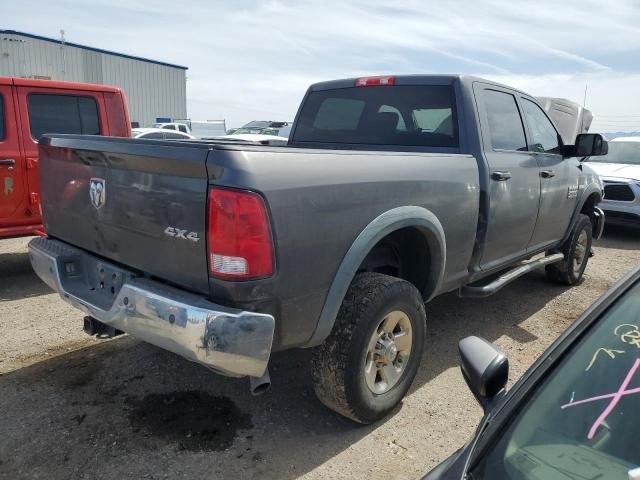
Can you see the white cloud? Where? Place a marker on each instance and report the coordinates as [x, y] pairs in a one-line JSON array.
[[252, 59]]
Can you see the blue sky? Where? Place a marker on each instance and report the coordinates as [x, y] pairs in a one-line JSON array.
[[252, 59]]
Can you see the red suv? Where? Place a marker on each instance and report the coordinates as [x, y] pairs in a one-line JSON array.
[[29, 108]]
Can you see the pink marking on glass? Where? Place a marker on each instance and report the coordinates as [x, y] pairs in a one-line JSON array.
[[615, 398], [599, 397]]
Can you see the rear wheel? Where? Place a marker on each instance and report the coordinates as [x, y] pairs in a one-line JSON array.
[[367, 364], [576, 252]]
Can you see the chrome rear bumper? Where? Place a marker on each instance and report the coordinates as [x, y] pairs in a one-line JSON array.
[[230, 341]]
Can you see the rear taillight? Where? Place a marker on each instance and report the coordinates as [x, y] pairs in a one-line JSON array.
[[240, 244], [375, 81]]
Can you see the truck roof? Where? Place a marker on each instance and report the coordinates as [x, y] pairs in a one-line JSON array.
[[30, 82], [416, 79]]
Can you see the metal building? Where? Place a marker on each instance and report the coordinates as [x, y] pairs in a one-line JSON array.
[[154, 89]]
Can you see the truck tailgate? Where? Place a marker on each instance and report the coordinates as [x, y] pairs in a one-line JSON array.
[[139, 203]]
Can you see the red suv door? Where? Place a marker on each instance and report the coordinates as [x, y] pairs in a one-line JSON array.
[[55, 110], [12, 171]]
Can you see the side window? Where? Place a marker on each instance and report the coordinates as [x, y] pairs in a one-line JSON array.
[[89, 116], [2, 121], [169, 127], [544, 137], [171, 135], [339, 114], [505, 124], [389, 109], [62, 114], [182, 128], [153, 136]]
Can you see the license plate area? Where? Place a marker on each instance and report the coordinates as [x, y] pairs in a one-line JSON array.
[[92, 280]]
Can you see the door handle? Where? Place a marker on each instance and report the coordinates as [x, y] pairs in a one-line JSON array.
[[501, 176], [547, 173], [8, 162]]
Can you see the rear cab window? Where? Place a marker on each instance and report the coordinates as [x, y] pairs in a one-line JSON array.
[[582, 420], [398, 115], [55, 113]]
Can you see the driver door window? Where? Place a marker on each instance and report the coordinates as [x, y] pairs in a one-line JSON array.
[[544, 138]]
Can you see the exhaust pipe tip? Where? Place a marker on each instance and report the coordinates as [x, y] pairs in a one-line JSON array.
[[260, 385]]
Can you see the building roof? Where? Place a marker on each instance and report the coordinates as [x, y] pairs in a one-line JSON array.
[[93, 49]]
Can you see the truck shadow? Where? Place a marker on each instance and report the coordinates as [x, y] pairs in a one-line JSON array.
[[17, 278], [620, 237], [141, 410], [126, 398], [449, 319]]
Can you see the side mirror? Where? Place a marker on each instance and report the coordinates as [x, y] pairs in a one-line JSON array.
[[588, 145], [485, 369]]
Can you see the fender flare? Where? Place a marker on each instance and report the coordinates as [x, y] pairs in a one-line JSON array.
[[584, 196], [377, 229]]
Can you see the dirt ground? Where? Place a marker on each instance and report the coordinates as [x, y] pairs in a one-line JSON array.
[[75, 407]]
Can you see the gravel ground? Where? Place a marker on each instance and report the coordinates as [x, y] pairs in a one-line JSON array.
[[75, 407]]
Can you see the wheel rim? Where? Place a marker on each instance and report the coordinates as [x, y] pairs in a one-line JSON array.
[[580, 252], [388, 352]]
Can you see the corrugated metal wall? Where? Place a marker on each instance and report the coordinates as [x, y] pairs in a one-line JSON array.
[[152, 90]]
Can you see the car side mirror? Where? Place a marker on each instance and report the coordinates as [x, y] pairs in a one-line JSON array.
[[588, 145], [485, 369]]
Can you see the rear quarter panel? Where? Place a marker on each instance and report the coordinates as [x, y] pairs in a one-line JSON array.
[[320, 201]]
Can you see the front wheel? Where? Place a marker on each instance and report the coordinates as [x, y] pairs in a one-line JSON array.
[[368, 362], [576, 254]]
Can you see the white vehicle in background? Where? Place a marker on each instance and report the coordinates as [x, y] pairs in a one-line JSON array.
[[263, 127], [255, 138], [207, 128], [620, 172], [196, 128], [177, 126], [159, 134]]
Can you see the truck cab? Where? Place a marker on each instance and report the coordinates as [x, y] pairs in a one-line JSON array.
[[30, 108]]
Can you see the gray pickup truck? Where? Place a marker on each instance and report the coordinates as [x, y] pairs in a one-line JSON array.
[[391, 191]]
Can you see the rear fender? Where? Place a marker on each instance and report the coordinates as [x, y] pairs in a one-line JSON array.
[[380, 227]]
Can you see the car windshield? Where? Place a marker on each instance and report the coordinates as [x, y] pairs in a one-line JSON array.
[[207, 129], [583, 421], [620, 152], [257, 124], [244, 131]]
